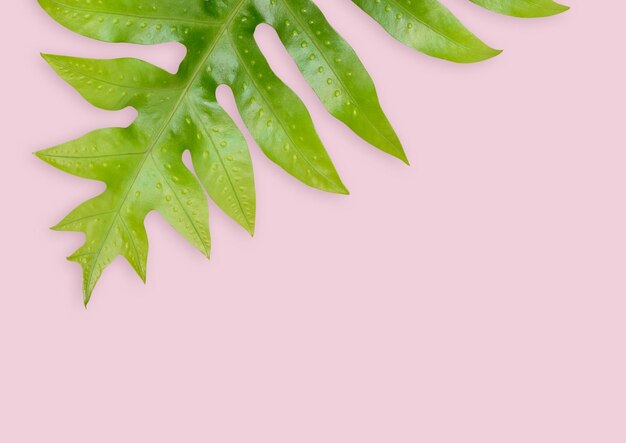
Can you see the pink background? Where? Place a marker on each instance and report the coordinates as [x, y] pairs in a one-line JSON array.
[[477, 296]]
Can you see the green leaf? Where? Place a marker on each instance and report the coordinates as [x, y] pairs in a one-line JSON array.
[[523, 8], [142, 165], [429, 27]]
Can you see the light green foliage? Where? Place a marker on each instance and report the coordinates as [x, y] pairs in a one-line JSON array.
[[142, 165], [523, 8]]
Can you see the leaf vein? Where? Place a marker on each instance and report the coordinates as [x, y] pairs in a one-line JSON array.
[[145, 17], [336, 73], [219, 156], [280, 122]]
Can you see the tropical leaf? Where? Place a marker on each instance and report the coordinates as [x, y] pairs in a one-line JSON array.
[[142, 165]]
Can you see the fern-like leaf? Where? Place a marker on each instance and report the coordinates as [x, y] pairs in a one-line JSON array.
[[142, 165]]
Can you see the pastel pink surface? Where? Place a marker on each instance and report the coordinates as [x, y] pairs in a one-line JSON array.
[[477, 296]]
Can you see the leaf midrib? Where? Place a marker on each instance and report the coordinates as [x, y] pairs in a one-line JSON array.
[[145, 17], [280, 122], [166, 123], [195, 111], [426, 25], [339, 77], [108, 82]]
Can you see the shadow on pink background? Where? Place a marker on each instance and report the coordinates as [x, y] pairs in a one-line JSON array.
[[477, 296]]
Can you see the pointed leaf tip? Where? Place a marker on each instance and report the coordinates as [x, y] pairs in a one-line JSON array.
[[339, 188], [251, 229], [403, 157]]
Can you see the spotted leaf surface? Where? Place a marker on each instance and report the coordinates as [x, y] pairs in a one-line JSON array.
[[142, 165]]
